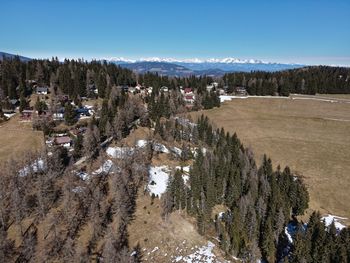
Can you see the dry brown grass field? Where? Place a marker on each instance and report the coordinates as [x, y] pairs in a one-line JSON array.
[[162, 239], [18, 138], [312, 137]]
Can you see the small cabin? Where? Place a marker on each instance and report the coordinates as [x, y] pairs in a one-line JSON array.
[[27, 114], [189, 98], [42, 90], [64, 141], [241, 91], [188, 90], [83, 112], [164, 89]]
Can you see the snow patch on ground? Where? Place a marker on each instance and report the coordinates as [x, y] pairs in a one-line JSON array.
[[158, 180], [221, 215], [328, 219], [224, 98], [141, 143], [78, 189], [37, 166], [119, 152], [105, 168], [194, 151], [9, 115], [289, 236], [155, 249], [202, 254], [83, 175], [177, 151], [185, 122], [158, 147], [185, 178], [186, 170]]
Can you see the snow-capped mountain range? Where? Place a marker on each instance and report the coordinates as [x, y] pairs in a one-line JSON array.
[[228, 60], [196, 66]]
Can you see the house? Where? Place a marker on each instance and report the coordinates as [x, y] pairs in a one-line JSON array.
[[91, 88], [58, 115], [83, 112], [27, 115], [188, 90], [189, 98], [164, 89], [8, 113], [75, 132], [31, 81], [209, 87], [63, 98], [241, 91], [124, 88], [45, 114], [139, 87], [132, 90], [215, 84], [42, 90], [64, 141], [212, 85], [222, 91], [14, 102]]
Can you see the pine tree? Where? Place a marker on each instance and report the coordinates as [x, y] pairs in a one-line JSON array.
[[267, 243], [70, 114], [78, 146]]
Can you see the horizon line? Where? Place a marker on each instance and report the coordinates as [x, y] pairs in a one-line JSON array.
[[174, 59]]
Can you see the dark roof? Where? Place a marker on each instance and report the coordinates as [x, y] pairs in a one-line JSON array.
[[14, 101], [8, 111], [41, 89], [82, 110], [27, 111]]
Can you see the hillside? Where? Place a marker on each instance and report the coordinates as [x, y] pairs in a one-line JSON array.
[[162, 68], [11, 56], [123, 178]]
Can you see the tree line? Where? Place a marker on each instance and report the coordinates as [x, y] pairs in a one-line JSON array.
[[307, 80]]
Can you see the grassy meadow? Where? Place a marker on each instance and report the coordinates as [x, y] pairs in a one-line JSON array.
[[18, 138], [310, 136]]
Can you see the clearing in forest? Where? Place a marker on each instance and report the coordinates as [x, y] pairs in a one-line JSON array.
[[18, 138]]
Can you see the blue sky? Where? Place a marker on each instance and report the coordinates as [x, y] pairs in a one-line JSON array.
[[309, 31]]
